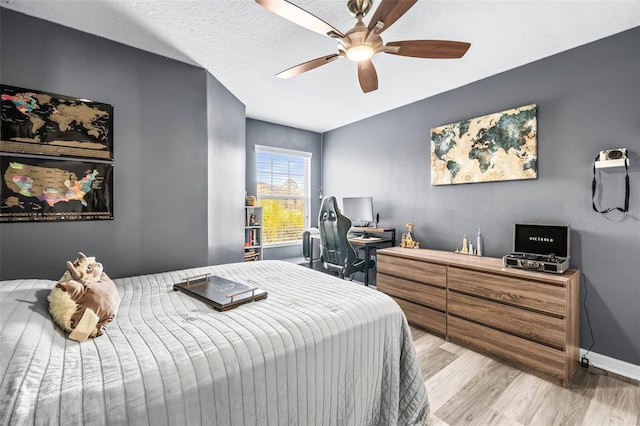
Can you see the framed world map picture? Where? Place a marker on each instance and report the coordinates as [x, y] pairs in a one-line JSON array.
[[495, 147], [41, 123]]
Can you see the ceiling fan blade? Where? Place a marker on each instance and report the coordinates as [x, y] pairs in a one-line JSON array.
[[299, 16], [367, 76], [435, 49], [307, 66], [389, 11]]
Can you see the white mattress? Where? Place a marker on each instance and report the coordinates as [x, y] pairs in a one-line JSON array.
[[317, 351]]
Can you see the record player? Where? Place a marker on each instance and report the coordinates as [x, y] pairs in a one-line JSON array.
[[542, 248]]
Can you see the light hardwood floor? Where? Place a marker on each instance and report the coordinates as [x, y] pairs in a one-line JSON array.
[[466, 388]]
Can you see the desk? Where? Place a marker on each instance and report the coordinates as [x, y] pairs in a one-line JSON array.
[[377, 231], [367, 243]]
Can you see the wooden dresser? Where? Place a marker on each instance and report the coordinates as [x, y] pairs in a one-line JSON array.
[[530, 320]]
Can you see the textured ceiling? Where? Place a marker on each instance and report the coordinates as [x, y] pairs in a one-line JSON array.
[[244, 45]]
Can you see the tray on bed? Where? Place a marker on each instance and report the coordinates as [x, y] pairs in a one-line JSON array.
[[222, 294]]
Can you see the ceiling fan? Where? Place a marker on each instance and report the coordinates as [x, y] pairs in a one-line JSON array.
[[362, 41]]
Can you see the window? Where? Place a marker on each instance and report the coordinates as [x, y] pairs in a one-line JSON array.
[[283, 190]]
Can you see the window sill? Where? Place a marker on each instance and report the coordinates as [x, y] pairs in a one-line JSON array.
[[285, 244]]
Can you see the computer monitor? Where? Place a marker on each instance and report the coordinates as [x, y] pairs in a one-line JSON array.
[[358, 209]]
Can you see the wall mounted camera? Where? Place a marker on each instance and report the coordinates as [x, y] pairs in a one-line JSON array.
[[612, 158], [613, 154]]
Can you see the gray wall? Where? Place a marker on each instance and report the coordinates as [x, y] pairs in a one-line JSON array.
[[275, 135], [588, 100], [226, 174], [165, 149]]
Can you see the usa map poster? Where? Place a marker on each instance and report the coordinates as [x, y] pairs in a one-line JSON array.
[[41, 123], [42, 189]]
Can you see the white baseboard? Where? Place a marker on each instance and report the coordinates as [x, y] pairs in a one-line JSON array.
[[613, 365]]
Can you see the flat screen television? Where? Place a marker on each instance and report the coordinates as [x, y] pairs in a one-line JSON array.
[[358, 209]]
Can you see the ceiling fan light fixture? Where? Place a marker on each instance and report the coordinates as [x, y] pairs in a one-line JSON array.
[[362, 41], [360, 52]]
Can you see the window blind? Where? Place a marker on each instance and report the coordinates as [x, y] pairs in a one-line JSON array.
[[283, 191]]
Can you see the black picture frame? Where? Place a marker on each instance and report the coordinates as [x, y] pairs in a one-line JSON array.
[[35, 189], [34, 122]]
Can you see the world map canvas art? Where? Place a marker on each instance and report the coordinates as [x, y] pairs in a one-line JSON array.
[[495, 147]]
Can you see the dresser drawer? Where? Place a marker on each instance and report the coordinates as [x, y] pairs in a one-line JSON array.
[[434, 297], [536, 326], [515, 291], [422, 316], [411, 269], [523, 353]]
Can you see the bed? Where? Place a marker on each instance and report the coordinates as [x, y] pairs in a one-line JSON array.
[[317, 351]]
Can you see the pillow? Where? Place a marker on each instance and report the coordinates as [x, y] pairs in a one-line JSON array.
[[85, 300]]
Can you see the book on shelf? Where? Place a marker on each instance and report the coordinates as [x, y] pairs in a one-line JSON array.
[[222, 294], [251, 238], [251, 255]]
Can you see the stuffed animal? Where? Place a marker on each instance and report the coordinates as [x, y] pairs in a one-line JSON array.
[[85, 300]]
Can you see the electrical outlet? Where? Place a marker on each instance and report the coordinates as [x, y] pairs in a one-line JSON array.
[[584, 362]]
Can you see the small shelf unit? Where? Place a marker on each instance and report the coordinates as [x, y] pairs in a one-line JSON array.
[[612, 165], [252, 233]]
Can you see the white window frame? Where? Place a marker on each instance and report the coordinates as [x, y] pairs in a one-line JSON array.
[[307, 187]]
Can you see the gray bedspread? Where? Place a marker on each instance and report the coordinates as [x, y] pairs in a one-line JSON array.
[[317, 351]]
